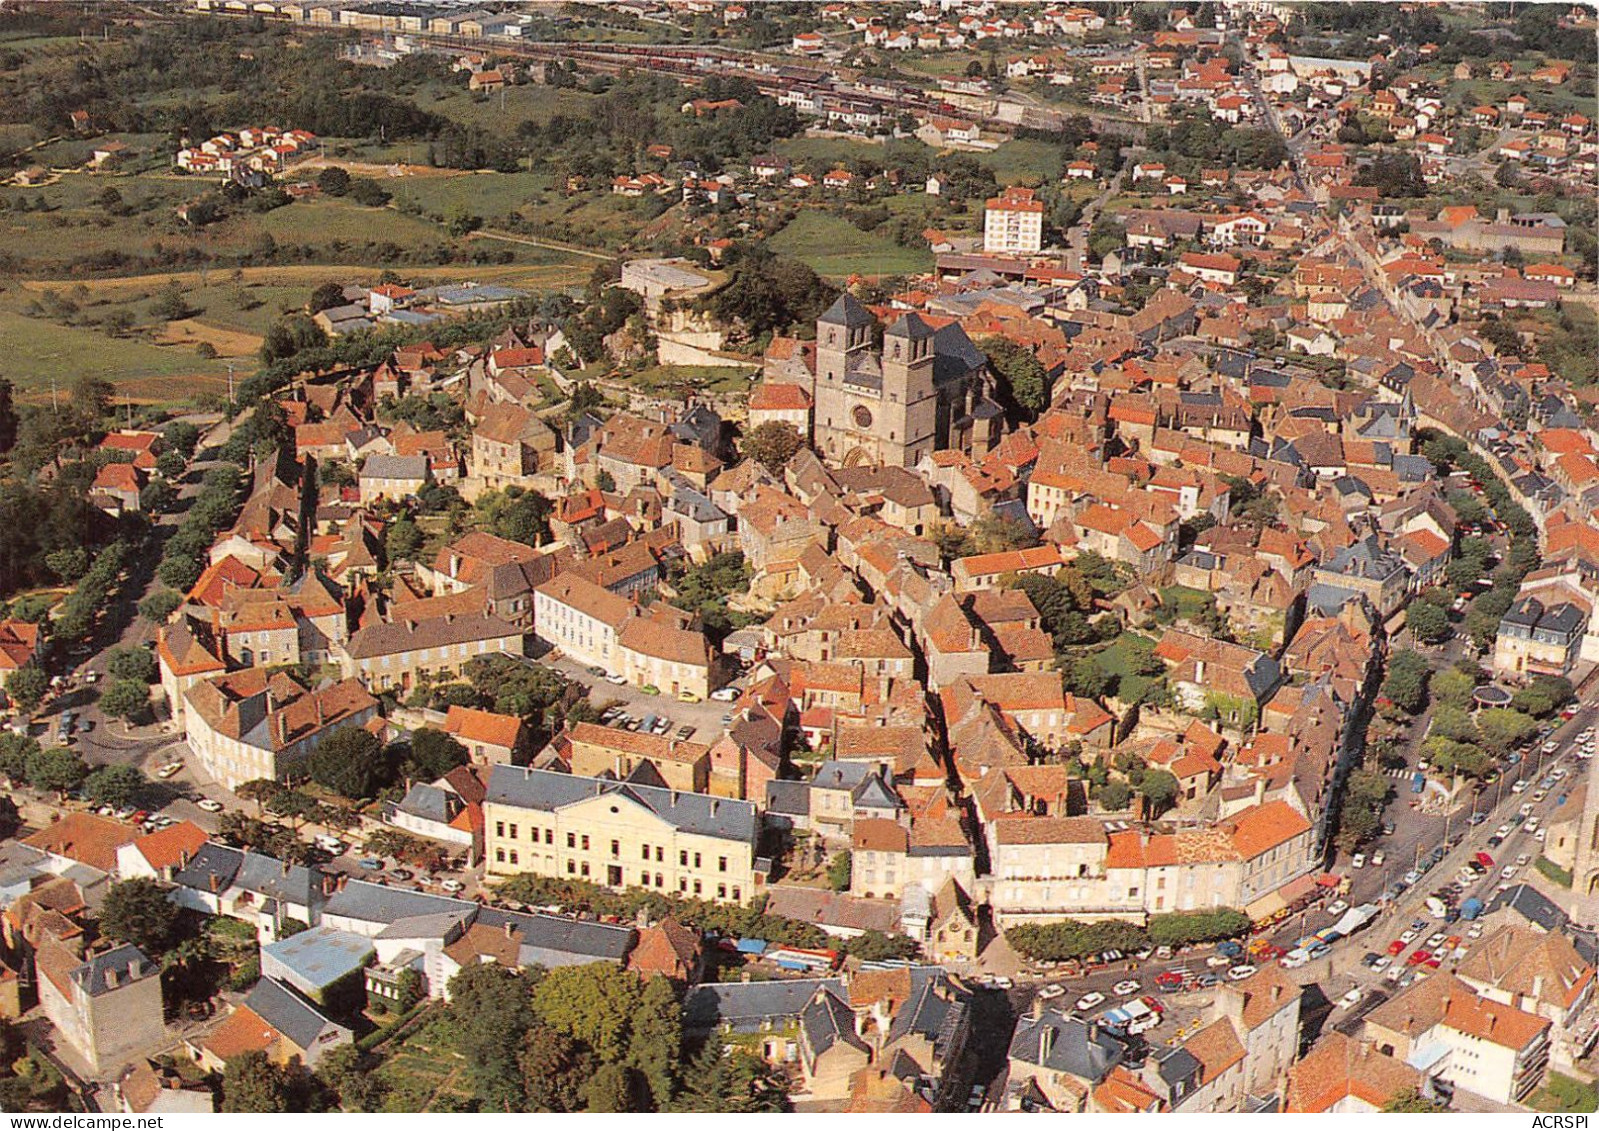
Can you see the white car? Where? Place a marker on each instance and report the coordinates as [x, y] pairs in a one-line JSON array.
[[1216, 961], [1089, 1001], [452, 886], [1519, 787], [1239, 973], [1381, 963], [725, 694], [1395, 974], [1358, 860], [168, 770], [1123, 989], [1349, 1000], [1001, 982], [1526, 810], [1377, 858], [1050, 993], [1337, 908], [1523, 860], [618, 680], [1408, 935], [1508, 871], [209, 805]]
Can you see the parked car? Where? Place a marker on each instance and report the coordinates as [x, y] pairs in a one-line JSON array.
[[371, 863], [725, 694], [1239, 973], [1377, 858], [1349, 1000], [1122, 989], [209, 805], [1050, 993], [1358, 860]]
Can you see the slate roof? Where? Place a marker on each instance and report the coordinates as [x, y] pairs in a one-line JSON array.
[[789, 798], [363, 902], [427, 802], [380, 466], [286, 1011], [847, 311], [1077, 1048], [212, 860], [745, 1006], [696, 813], [127, 962], [1532, 906], [826, 1021]]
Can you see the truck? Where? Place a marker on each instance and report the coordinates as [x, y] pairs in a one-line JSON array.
[[1470, 908]]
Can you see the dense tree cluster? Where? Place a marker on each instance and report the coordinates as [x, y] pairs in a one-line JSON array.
[[183, 558], [704, 589], [767, 293], [1059, 942]]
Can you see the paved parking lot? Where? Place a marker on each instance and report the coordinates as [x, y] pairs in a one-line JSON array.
[[705, 717]]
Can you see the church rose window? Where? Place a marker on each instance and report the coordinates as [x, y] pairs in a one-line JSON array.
[[863, 416]]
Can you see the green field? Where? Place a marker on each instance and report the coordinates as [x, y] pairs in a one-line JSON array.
[[539, 103], [1024, 162], [836, 248], [39, 352], [829, 151], [327, 222], [484, 194]]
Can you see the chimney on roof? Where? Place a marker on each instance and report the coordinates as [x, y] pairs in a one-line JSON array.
[[215, 881], [111, 978], [510, 931], [1046, 1042]]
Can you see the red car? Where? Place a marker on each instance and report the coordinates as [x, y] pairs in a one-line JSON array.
[[1484, 859], [1169, 980], [1418, 957], [1396, 947], [1434, 962]]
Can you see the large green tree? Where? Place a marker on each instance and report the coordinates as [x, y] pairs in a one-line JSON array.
[[57, 769], [772, 444], [114, 785], [125, 699], [350, 762], [490, 1014], [252, 1083], [138, 911], [434, 753], [26, 687]]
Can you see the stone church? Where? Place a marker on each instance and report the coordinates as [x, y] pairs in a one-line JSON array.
[[924, 389]]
